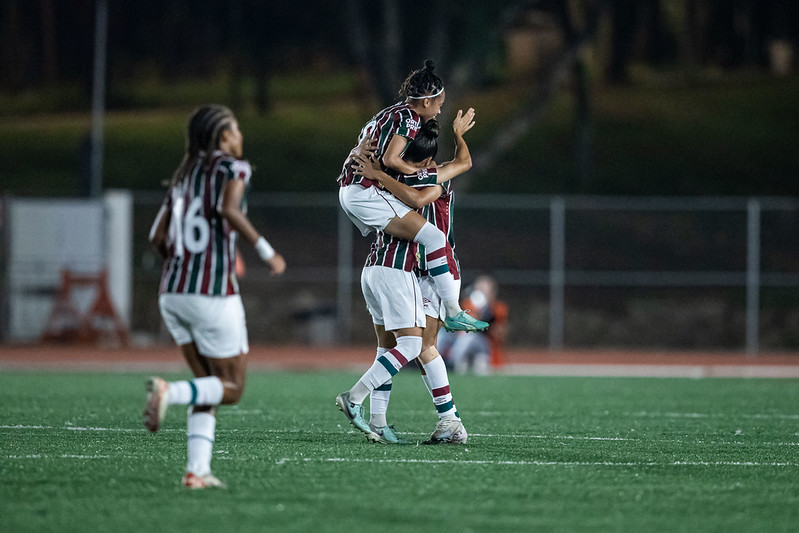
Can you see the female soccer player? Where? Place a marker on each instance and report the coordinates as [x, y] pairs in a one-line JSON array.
[[435, 203], [393, 343], [372, 209], [195, 231]]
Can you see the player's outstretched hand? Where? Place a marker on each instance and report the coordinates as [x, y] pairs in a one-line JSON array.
[[277, 265], [463, 121]]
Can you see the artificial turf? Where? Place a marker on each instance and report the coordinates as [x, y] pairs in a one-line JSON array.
[[544, 454]]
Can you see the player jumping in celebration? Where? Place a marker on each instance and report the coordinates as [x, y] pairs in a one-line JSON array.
[[373, 209], [195, 231], [394, 298], [434, 199]]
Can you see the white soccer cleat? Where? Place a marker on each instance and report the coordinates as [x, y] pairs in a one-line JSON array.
[[449, 431], [208, 481], [157, 402]]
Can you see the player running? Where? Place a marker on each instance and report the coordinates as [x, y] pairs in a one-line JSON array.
[[390, 307], [373, 209], [195, 231]]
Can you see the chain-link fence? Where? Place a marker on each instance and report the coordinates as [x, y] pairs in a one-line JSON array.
[[576, 272]]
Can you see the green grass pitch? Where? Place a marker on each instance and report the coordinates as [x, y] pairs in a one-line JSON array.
[[544, 454]]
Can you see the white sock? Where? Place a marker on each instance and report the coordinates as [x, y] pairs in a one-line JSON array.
[[199, 391], [200, 428], [379, 398], [436, 372], [437, 254], [453, 307], [386, 366], [426, 381], [180, 393]]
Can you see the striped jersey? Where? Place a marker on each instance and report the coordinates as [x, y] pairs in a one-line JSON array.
[[393, 252], [439, 214], [398, 119], [201, 246]]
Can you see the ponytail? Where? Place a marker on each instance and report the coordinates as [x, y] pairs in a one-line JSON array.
[[425, 144], [422, 83], [206, 125]]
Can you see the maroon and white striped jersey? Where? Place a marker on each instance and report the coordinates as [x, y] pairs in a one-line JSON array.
[[398, 119], [393, 252], [201, 246], [439, 214]]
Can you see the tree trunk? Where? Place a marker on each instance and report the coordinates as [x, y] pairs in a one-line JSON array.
[[391, 50], [624, 17], [49, 40]]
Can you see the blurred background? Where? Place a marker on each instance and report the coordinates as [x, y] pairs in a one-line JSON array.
[[635, 162]]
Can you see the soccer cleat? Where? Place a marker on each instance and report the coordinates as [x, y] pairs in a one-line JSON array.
[[464, 322], [157, 402], [385, 435], [208, 481], [353, 412], [450, 431]]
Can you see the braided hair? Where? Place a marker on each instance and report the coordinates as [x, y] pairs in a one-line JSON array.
[[421, 83], [425, 144], [206, 125]]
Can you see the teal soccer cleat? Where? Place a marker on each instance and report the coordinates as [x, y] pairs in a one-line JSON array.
[[385, 435], [353, 412], [464, 322]]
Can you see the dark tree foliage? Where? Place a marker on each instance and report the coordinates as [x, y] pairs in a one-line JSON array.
[[48, 41]]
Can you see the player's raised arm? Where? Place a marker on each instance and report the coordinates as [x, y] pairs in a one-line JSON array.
[[462, 161]]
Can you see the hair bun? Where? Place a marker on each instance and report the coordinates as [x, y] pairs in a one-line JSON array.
[[428, 65], [431, 128]]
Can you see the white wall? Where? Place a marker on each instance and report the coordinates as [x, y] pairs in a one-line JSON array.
[[46, 236]]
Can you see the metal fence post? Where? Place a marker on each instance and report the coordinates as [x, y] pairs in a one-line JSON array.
[[752, 276], [344, 286], [557, 275]]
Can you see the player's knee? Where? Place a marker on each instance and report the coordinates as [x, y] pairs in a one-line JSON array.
[[233, 393]]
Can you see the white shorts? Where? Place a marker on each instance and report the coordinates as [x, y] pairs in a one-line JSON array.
[[392, 297], [215, 323], [369, 208], [433, 305]]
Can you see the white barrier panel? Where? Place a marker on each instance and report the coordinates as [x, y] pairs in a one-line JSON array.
[[118, 249], [46, 237]]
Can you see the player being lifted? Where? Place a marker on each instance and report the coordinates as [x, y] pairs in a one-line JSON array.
[[394, 299], [373, 209], [195, 231], [434, 200]]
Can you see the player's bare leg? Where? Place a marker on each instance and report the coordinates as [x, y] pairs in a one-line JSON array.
[[415, 227], [216, 382], [381, 430], [449, 428], [409, 344]]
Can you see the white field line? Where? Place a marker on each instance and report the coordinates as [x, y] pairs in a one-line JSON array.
[[756, 416], [652, 370], [467, 462], [63, 456], [408, 433], [285, 460]]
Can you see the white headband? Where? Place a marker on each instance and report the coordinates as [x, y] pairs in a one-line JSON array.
[[441, 90]]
